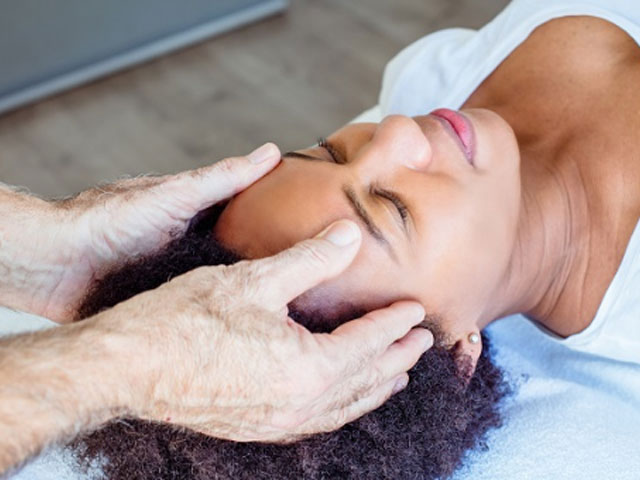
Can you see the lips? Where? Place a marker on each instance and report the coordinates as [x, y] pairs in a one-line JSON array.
[[460, 127]]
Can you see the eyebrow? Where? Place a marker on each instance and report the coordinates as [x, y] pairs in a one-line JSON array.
[[358, 208], [362, 213]]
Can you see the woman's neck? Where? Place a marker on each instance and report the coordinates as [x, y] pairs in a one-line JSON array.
[[570, 94], [580, 204], [550, 253]]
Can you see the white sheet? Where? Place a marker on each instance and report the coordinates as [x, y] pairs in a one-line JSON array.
[[574, 415]]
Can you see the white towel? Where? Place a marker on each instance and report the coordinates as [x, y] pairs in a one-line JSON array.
[[574, 415]]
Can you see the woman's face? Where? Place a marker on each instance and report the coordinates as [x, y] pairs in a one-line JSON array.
[[437, 227]]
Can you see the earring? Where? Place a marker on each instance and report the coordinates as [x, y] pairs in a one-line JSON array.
[[474, 338]]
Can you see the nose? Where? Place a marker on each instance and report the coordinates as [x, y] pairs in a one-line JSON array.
[[398, 141]]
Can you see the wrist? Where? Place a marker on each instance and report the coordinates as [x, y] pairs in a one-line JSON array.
[[55, 383], [32, 251], [118, 353]]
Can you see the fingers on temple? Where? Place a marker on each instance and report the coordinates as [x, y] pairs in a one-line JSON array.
[[292, 272], [377, 330], [227, 177], [405, 353]]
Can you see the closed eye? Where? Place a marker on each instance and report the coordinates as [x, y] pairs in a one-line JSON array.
[[397, 202], [336, 156]]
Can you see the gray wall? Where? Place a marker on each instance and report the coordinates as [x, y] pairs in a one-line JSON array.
[[49, 45]]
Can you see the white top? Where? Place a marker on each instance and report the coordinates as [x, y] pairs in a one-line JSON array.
[[443, 69]]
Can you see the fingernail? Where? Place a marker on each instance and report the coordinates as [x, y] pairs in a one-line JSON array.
[[341, 233], [428, 342], [400, 385], [418, 312], [260, 154]]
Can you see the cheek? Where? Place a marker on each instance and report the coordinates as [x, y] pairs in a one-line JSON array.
[[465, 248], [274, 215], [371, 281], [501, 206], [251, 233]]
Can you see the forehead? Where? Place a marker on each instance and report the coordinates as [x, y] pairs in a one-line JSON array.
[[288, 205], [296, 202]]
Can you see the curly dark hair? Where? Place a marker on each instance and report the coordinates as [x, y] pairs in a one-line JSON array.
[[421, 433]]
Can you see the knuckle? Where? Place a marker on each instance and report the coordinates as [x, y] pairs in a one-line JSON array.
[[225, 280], [226, 167], [350, 393], [255, 273], [210, 286], [313, 384], [207, 277], [324, 375], [369, 351], [376, 378], [352, 363], [369, 383], [339, 419], [382, 335], [198, 173], [246, 279], [289, 422], [311, 253]]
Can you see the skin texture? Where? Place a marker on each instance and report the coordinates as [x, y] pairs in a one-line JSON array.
[[461, 218], [52, 251]]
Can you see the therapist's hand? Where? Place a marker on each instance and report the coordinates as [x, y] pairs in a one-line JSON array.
[[214, 349], [52, 251]]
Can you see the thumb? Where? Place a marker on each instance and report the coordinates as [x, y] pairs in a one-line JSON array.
[[221, 180], [292, 272]]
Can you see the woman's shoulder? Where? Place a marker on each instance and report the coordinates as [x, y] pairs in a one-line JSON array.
[[427, 73], [443, 68]]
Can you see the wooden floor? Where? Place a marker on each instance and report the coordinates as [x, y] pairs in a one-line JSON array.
[[288, 79]]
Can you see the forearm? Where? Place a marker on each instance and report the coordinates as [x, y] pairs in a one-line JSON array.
[[53, 384], [29, 256]]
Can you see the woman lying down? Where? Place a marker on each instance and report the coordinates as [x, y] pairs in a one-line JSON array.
[[525, 201]]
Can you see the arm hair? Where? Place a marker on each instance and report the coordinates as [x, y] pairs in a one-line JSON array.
[[53, 385]]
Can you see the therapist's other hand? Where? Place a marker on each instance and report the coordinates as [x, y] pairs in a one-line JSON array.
[[65, 245], [214, 349]]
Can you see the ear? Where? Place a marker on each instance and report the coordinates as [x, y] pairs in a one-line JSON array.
[[468, 348]]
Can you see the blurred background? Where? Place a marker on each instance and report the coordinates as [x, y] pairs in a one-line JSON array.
[[164, 86]]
